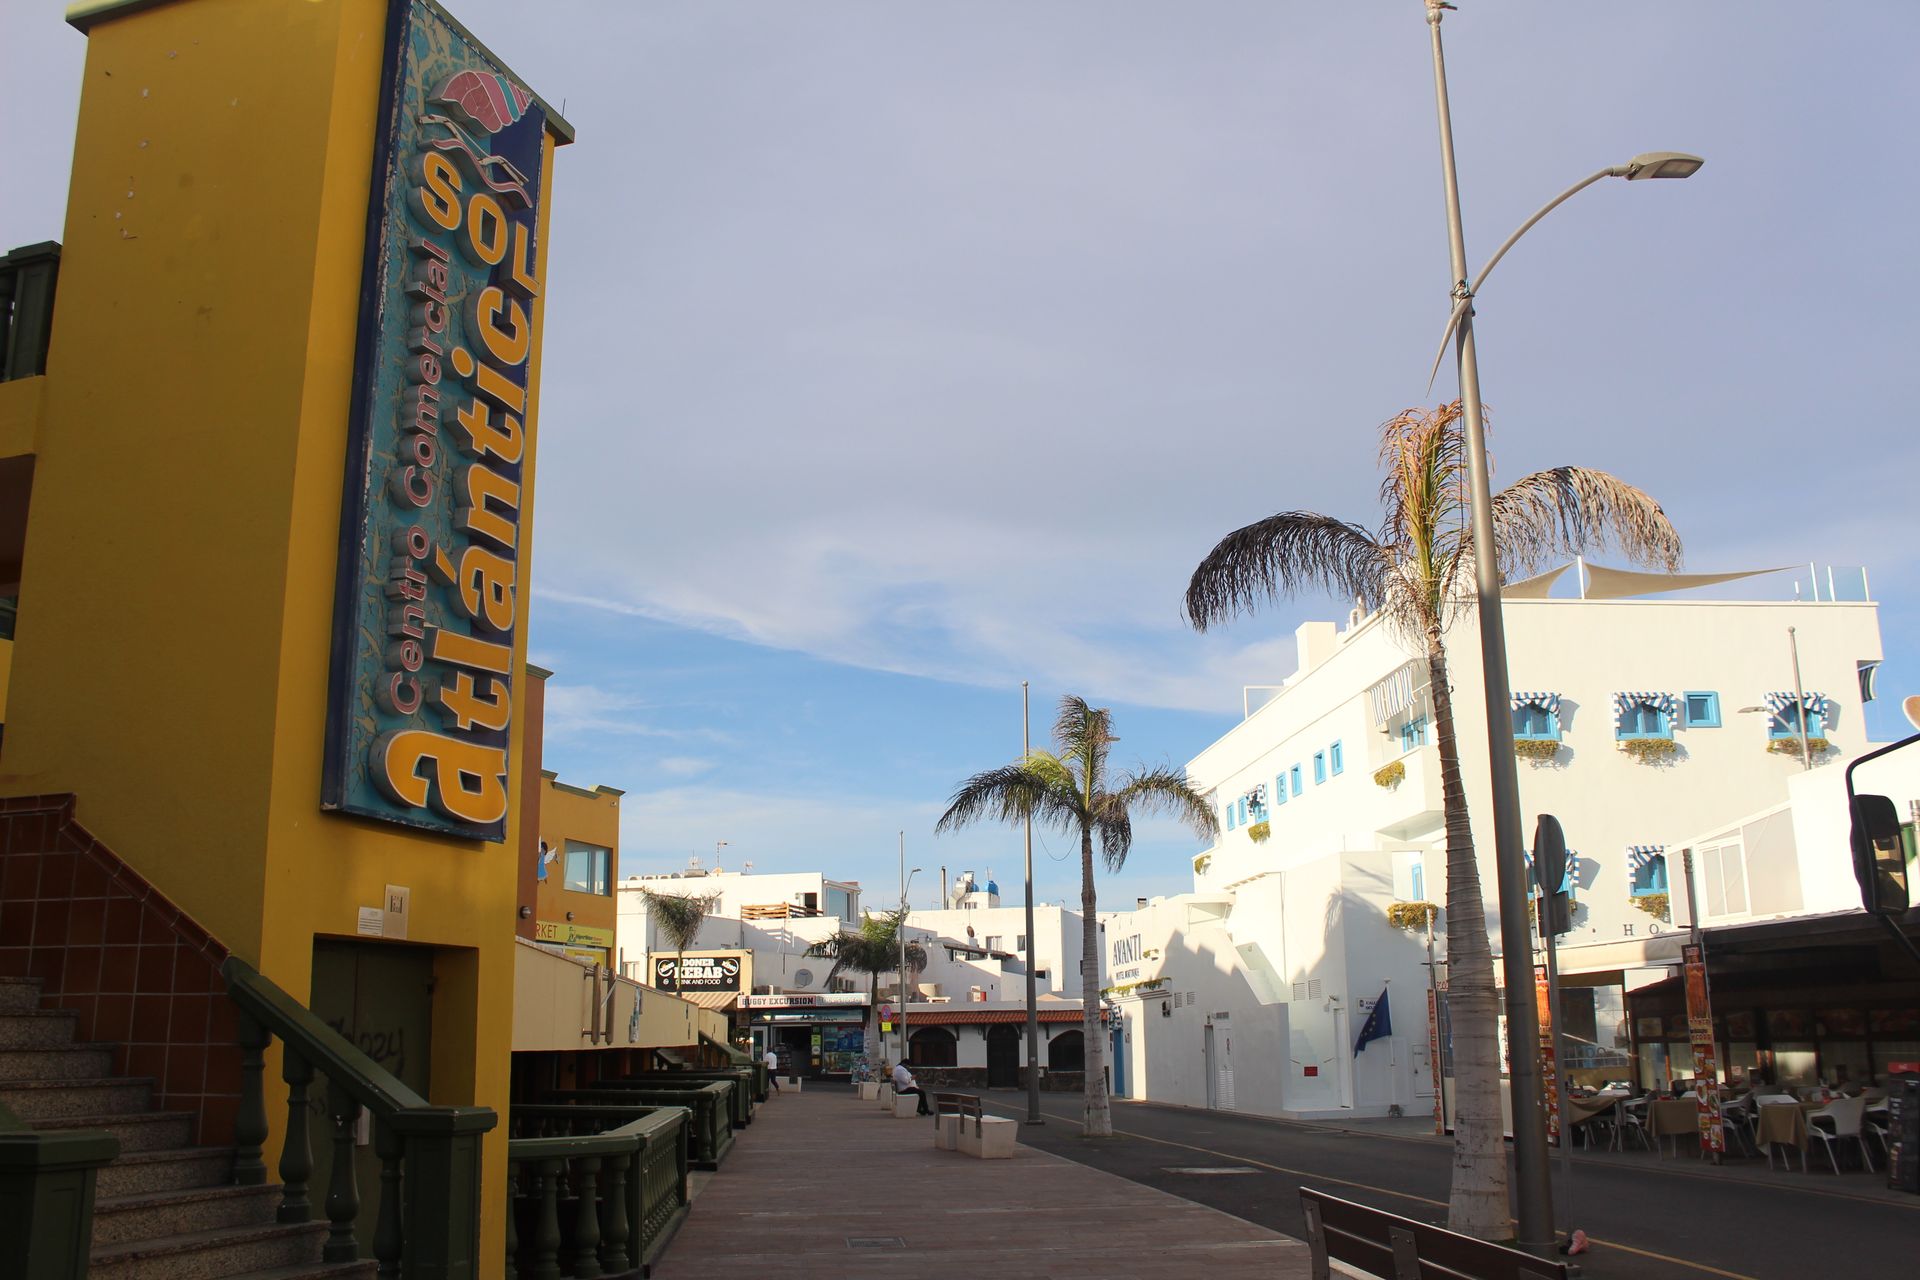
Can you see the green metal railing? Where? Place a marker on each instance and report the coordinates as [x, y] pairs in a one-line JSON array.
[[27, 279], [593, 1190], [429, 1202], [710, 1136]]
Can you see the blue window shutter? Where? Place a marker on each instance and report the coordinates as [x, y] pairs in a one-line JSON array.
[[1230, 822], [1319, 767], [1296, 779], [1334, 759], [1280, 788]]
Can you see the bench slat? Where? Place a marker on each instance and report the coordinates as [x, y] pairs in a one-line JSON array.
[[1397, 1248]]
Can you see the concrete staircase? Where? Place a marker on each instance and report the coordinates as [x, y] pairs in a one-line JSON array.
[[164, 1209]]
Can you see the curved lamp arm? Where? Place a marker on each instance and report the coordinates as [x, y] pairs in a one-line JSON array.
[[1460, 307], [1652, 164]]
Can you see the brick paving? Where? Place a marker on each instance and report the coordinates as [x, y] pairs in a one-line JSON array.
[[819, 1172]]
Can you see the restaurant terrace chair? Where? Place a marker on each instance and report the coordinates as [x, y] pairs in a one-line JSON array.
[[1845, 1114]]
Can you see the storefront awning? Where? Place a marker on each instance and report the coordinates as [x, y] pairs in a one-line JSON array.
[[961, 1015], [720, 1001]]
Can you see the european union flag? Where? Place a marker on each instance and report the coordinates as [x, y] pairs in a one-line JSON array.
[[1379, 1024]]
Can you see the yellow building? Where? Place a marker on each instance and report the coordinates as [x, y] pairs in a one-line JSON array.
[[266, 516], [579, 859]]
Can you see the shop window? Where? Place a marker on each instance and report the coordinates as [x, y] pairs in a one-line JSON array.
[[588, 868], [932, 1047], [1066, 1052]]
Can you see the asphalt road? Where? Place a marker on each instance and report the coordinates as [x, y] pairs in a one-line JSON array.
[[1649, 1219]]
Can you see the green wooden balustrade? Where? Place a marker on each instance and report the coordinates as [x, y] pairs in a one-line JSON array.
[[429, 1196], [46, 1198], [742, 1079], [710, 1135], [594, 1190]]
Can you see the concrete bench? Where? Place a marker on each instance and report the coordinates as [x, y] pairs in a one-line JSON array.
[[988, 1137], [950, 1111], [869, 1091], [905, 1105], [1384, 1244]]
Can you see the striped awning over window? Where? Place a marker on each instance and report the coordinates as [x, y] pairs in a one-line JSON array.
[[1639, 855], [1394, 694], [1257, 795], [1547, 702], [1816, 703], [1628, 699]]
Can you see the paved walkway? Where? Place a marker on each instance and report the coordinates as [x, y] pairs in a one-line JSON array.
[[824, 1185]]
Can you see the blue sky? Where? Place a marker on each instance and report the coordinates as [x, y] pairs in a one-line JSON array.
[[898, 352]]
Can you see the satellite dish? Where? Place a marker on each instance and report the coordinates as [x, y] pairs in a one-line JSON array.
[[1912, 707]]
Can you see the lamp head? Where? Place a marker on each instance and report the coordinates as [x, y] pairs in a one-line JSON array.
[[1662, 164]]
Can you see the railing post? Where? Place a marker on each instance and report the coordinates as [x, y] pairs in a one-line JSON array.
[[343, 1195], [513, 1219], [441, 1192], [388, 1239], [250, 1122], [296, 1157], [586, 1216], [616, 1226], [546, 1227]]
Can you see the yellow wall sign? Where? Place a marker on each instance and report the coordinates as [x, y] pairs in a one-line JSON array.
[[424, 605], [571, 935]]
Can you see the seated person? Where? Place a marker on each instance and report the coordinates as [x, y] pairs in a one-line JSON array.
[[903, 1083]]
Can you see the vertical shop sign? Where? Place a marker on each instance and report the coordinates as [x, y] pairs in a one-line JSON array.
[[430, 571], [1543, 1003], [1706, 1068]]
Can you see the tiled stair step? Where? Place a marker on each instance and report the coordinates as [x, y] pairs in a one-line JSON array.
[[19, 995], [208, 1255], [121, 1219], [66, 1062], [141, 1172], [48, 1099], [150, 1131], [37, 1029]]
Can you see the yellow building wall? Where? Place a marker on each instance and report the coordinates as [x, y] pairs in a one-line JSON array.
[[170, 663], [592, 817]]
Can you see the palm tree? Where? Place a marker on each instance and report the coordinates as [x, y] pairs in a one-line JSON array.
[[1070, 790], [872, 949], [678, 917], [1418, 569]]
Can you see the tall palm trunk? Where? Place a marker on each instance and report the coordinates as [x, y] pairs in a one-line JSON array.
[[1478, 1205], [1099, 1118]]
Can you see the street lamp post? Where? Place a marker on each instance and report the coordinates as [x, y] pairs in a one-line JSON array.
[[1533, 1200], [900, 934], [1033, 943]]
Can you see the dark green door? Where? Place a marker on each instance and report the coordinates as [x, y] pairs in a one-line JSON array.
[[378, 995]]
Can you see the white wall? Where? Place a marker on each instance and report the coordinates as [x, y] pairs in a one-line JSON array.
[[1585, 651]]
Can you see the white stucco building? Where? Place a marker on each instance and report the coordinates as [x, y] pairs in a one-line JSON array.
[[1642, 717]]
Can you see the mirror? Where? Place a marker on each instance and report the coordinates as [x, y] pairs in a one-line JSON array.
[[1879, 855]]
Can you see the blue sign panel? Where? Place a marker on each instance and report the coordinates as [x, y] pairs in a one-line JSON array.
[[420, 697]]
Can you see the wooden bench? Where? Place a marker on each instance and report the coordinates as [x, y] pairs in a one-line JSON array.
[[1387, 1245]]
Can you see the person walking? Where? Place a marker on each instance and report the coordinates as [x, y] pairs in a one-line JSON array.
[[903, 1083], [773, 1069]]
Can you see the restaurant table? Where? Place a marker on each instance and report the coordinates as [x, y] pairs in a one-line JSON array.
[[1673, 1118], [1578, 1111], [1784, 1124]]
